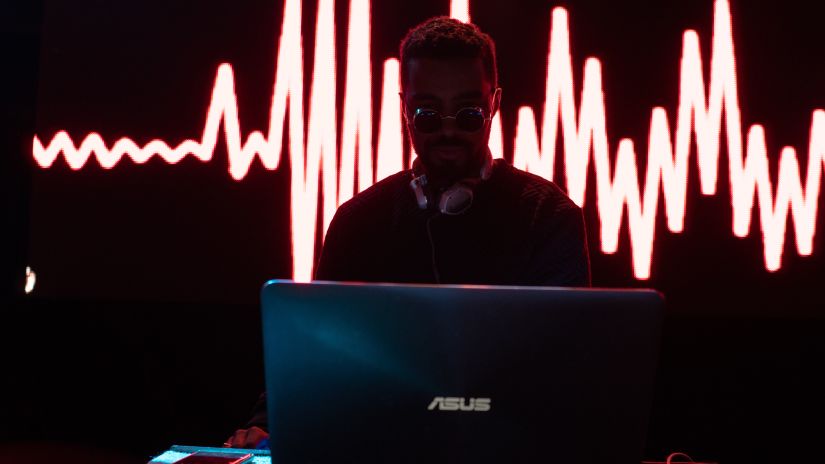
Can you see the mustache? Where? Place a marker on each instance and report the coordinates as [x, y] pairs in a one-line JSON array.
[[450, 143]]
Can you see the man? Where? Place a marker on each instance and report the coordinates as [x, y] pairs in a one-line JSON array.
[[457, 217]]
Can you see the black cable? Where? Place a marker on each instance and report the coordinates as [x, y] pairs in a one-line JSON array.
[[432, 249]]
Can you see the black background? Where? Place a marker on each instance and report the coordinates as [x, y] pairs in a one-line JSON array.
[[142, 330]]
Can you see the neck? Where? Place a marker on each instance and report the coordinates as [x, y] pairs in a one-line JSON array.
[[439, 181]]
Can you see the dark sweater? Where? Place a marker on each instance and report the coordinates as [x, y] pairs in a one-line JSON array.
[[520, 230]]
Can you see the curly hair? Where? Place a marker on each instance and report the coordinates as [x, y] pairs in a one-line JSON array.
[[445, 37]]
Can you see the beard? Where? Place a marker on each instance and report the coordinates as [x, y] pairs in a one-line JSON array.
[[450, 160]]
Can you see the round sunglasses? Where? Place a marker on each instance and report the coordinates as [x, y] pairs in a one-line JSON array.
[[470, 119]]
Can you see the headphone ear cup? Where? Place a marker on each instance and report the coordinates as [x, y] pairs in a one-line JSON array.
[[455, 200], [458, 198], [417, 185]]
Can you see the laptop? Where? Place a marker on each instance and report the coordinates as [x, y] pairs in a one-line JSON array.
[[379, 373]]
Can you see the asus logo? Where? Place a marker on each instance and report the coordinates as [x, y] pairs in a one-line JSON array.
[[452, 403]]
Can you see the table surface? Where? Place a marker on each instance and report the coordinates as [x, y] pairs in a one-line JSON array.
[[178, 452]]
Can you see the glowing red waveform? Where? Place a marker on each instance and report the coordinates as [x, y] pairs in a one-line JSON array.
[[699, 113]]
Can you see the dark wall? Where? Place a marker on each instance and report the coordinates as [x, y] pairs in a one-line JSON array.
[[129, 376], [21, 28], [740, 373], [190, 232]]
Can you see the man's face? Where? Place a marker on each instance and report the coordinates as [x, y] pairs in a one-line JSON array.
[[447, 86]]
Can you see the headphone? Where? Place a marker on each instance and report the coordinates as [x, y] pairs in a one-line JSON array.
[[457, 198]]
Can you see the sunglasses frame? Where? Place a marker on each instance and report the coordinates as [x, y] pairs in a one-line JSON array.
[[418, 111]]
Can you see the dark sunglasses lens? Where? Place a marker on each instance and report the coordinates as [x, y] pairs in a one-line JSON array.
[[427, 121], [469, 119]]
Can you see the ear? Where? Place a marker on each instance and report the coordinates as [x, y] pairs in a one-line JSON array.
[[403, 106], [496, 101]]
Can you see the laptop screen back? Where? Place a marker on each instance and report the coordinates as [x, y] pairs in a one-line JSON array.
[[414, 373]]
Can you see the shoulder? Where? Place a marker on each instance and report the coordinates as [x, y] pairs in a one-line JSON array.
[[377, 200], [534, 192]]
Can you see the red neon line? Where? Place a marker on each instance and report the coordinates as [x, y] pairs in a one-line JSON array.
[[460, 10], [697, 115], [582, 129]]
